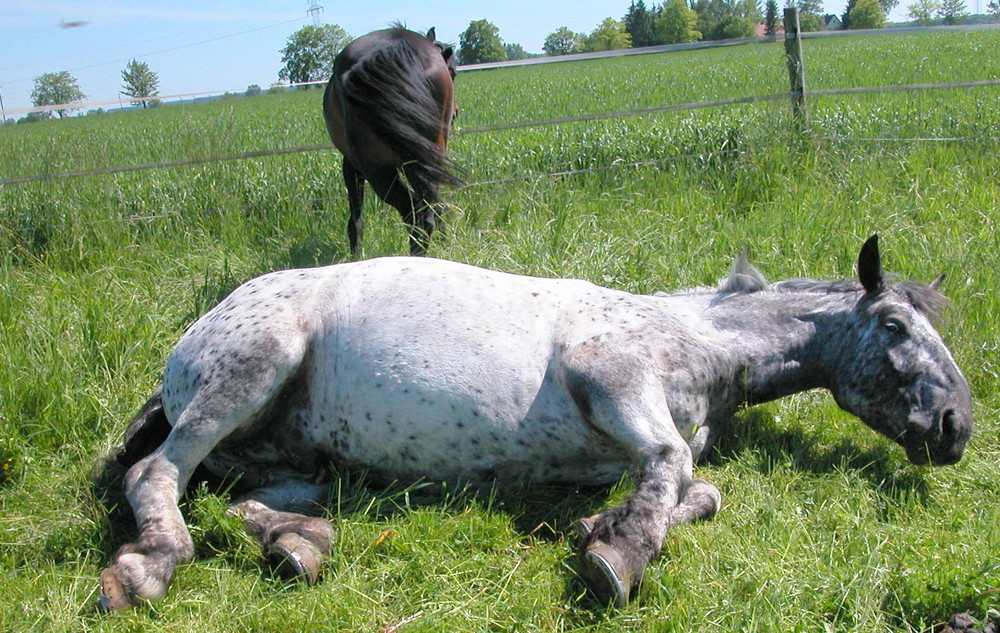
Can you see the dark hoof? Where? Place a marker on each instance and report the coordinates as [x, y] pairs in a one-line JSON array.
[[606, 574], [113, 596], [585, 526], [293, 557]]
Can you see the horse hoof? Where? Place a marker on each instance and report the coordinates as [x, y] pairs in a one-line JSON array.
[[606, 574], [113, 596], [293, 557], [583, 527]]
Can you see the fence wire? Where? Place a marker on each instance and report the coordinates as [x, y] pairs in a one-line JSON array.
[[528, 124]]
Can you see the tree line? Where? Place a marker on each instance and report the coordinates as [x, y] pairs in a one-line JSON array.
[[309, 52]]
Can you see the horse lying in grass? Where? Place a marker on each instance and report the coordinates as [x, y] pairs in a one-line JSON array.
[[422, 368]]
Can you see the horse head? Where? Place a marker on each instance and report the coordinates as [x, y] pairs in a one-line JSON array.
[[896, 373], [447, 52]]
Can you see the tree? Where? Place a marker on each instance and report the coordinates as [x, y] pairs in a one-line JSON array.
[[640, 24], [676, 22], [727, 19], [866, 14], [563, 41], [952, 11], [55, 89], [710, 13], [887, 6], [732, 27], [34, 117], [309, 53], [514, 51], [994, 7], [923, 11], [140, 81], [845, 19], [771, 18], [811, 14], [481, 43], [609, 36]]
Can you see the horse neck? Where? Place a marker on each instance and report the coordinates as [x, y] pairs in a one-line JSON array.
[[784, 342]]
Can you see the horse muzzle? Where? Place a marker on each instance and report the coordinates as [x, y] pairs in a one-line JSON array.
[[944, 442]]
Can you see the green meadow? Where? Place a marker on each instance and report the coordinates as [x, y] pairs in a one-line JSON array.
[[825, 526]]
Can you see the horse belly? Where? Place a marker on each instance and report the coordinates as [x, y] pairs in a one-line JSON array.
[[413, 414]]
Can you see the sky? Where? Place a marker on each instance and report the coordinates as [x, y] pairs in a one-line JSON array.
[[215, 46]]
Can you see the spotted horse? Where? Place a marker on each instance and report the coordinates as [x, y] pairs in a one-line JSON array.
[[417, 368]]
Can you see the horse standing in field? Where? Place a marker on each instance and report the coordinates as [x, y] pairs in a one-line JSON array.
[[389, 108], [423, 368]]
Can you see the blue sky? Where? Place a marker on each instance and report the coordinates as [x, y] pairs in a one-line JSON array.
[[226, 45]]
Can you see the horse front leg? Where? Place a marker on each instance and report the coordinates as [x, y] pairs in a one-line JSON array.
[[621, 395], [416, 211], [355, 182], [701, 502], [624, 539]]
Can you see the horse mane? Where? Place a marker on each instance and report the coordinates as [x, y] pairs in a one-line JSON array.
[[744, 278]]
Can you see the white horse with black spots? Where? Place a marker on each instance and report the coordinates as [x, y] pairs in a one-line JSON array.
[[428, 369]]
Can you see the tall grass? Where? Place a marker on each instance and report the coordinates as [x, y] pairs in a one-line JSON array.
[[825, 527]]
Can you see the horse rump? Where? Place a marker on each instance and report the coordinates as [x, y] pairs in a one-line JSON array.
[[390, 91]]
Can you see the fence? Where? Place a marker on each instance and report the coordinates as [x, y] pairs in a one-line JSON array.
[[798, 95]]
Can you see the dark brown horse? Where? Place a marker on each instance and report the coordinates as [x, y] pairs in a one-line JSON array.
[[389, 108]]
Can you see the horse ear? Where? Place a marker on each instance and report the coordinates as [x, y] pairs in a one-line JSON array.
[[870, 266], [447, 53], [936, 284], [431, 35]]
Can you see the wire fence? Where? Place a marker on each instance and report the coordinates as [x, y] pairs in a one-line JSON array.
[[791, 96]]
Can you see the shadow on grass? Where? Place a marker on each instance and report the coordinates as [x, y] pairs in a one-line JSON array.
[[548, 512], [756, 430], [953, 591]]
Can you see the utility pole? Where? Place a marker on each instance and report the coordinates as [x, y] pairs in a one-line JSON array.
[[3, 113], [314, 10]]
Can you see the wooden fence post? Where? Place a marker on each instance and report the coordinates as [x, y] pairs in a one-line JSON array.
[[796, 66]]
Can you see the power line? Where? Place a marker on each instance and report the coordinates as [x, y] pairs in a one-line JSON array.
[[168, 50]]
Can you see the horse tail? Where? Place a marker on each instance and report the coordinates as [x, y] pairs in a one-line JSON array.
[[148, 429], [391, 92], [146, 432]]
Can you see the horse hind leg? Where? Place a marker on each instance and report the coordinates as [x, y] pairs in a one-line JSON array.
[[293, 544], [423, 221], [143, 570]]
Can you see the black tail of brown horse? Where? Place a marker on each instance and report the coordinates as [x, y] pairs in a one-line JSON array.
[[390, 92], [388, 108]]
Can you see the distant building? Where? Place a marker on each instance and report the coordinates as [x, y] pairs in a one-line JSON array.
[[832, 23], [761, 29]]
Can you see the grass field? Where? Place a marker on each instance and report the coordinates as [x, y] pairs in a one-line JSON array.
[[825, 526]]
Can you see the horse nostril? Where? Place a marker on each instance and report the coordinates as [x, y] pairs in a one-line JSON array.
[[949, 424]]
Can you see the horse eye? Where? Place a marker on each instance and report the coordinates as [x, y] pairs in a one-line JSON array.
[[895, 326]]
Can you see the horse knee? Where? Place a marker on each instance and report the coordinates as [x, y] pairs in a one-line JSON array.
[[705, 497]]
